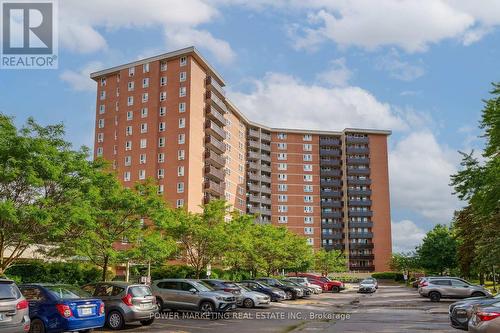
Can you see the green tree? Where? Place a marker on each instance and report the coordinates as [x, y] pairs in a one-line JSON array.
[[330, 261], [40, 197], [438, 250]]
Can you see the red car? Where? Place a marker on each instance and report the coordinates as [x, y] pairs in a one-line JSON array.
[[325, 283]]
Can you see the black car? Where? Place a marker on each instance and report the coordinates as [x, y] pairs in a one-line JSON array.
[[226, 286], [306, 291], [276, 294], [460, 312], [291, 292]]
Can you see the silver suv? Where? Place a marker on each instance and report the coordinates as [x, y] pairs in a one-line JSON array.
[[14, 312], [125, 302], [449, 287], [187, 294]]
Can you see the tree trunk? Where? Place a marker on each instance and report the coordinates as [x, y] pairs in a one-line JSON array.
[[481, 278], [105, 268]]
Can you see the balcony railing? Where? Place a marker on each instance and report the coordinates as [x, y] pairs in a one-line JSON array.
[[215, 115], [215, 159], [329, 152], [253, 155], [368, 224], [330, 182], [265, 147], [214, 188], [333, 246], [364, 203], [331, 173], [353, 139], [254, 176], [216, 101], [359, 192], [253, 166], [212, 83], [265, 157], [363, 172], [331, 194], [214, 173], [361, 256], [325, 162], [359, 246], [359, 181], [361, 235], [365, 161], [329, 142], [257, 188], [370, 268], [253, 133], [265, 179], [259, 210], [332, 225], [360, 213], [265, 136], [215, 130], [354, 150], [215, 144], [331, 214], [336, 235], [254, 144], [331, 204], [265, 167]]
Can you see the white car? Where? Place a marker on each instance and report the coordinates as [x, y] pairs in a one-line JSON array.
[[303, 281], [251, 299]]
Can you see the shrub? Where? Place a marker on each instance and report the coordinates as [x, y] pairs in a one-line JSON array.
[[172, 271], [60, 272], [396, 276]]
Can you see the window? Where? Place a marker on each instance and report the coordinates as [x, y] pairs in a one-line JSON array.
[[130, 86], [163, 81], [142, 159], [163, 111], [128, 130], [180, 154], [183, 61], [308, 178], [180, 187], [308, 230], [161, 142], [307, 137], [307, 157], [310, 241], [100, 123], [130, 100], [163, 66], [282, 166], [161, 157], [282, 156], [182, 107], [181, 139], [307, 147], [116, 105], [182, 122], [281, 136], [180, 171], [144, 128], [282, 176], [282, 198], [103, 95], [160, 188], [142, 174], [182, 76], [145, 97], [145, 82], [308, 198], [282, 209], [144, 112], [161, 173], [308, 188], [130, 115], [182, 91], [126, 176], [163, 96], [308, 167], [308, 209], [308, 219], [128, 145], [179, 203], [282, 219], [131, 71], [102, 109], [282, 187], [100, 137], [161, 127], [128, 160], [99, 151], [144, 143], [103, 81], [281, 145]]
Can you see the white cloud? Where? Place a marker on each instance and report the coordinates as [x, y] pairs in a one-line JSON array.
[[420, 172], [337, 75], [398, 68], [406, 235], [281, 100], [80, 80]]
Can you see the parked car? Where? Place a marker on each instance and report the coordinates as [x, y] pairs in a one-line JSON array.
[[226, 286], [275, 294], [193, 295], [460, 312], [291, 292], [485, 319], [305, 282], [14, 313], [251, 299], [306, 291], [373, 280], [125, 302], [437, 288], [367, 286], [55, 308], [325, 283]]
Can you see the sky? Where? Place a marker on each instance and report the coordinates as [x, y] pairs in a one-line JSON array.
[[420, 68]]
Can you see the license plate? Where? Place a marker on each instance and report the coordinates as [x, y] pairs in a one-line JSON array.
[[145, 305], [86, 311]]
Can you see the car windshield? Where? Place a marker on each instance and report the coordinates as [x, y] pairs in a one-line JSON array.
[[140, 291], [325, 279], [67, 292], [367, 282], [243, 287], [290, 283], [230, 284], [202, 286], [8, 290], [264, 284]]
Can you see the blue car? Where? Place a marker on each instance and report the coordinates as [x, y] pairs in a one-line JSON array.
[[55, 308]]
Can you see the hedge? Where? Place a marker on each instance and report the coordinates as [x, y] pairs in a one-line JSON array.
[[396, 276]]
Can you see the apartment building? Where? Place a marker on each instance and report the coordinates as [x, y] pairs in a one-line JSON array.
[[167, 117]]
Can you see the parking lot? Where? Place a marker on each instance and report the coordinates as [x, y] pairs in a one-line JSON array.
[[393, 308]]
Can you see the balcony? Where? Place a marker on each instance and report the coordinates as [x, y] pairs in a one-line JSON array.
[[357, 161], [265, 168], [266, 147], [254, 176], [329, 142], [265, 179], [361, 224], [330, 182], [265, 157], [253, 133], [331, 194], [352, 139], [333, 246], [360, 213], [253, 166], [212, 128], [359, 192], [326, 162], [265, 200], [215, 159], [363, 172], [361, 257], [265, 137], [215, 86], [331, 204], [254, 144], [332, 225], [331, 215], [253, 155], [214, 173], [336, 235], [359, 181], [330, 173], [258, 188], [254, 198], [215, 101], [259, 211], [215, 115], [214, 188], [329, 152], [366, 235], [360, 246], [363, 203], [354, 150], [370, 268], [215, 144], [265, 189]]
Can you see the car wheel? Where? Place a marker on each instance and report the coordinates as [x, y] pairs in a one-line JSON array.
[[207, 307], [159, 302], [37, 326], [434, 296], [115, 320], [289, 295], [335, 289], [147, 322], [248, 303]]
